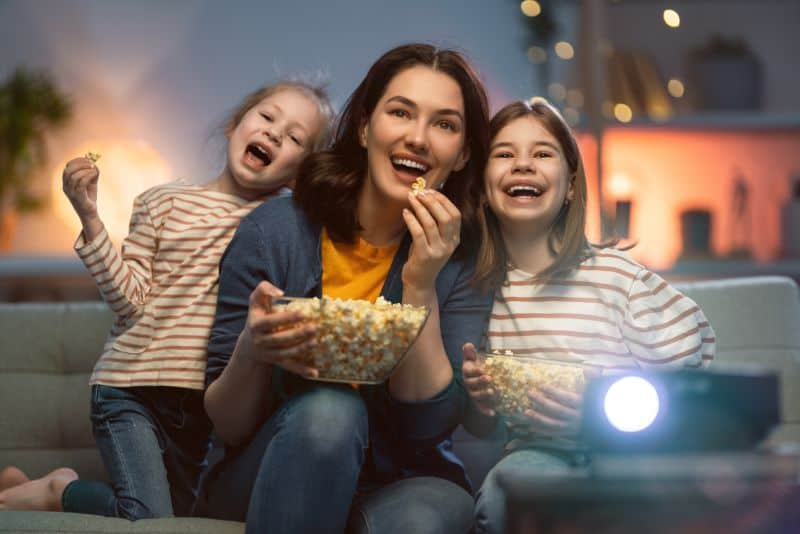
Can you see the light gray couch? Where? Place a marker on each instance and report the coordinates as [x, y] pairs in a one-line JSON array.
[[47, 352]]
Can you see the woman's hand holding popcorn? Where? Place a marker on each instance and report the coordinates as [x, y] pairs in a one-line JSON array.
[[435, 226], [477, 382], [275, 337]]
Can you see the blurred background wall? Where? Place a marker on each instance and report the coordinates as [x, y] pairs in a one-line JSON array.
[[691, 157]]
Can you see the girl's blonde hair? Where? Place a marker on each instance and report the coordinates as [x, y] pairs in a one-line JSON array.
[[316, 92], [567, 239]]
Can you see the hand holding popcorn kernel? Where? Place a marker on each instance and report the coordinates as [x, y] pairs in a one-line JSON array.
[[79, 183], [435, 227]]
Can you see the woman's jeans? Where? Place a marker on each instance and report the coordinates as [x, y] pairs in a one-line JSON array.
[[300, 473], [490, 504], [153, 441]]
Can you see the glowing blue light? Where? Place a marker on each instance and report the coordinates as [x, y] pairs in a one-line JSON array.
[[631, 404]]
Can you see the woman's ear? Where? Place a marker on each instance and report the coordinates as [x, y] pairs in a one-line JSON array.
[[362, 134], [463, 158]]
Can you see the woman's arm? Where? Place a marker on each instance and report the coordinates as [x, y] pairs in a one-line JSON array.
[[435, 226], [247, 339]]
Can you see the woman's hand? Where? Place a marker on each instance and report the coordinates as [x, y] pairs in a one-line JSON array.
[[276, 338], [435, 226], [477, 382]]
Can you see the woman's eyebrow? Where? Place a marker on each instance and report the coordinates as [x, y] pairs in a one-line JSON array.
[[412, 104]]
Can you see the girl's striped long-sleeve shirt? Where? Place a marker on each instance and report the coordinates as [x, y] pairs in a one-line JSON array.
[[609, 312], [163, 286]]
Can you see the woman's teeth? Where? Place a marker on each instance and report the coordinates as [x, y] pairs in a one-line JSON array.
[[524, 191], [414, 166]]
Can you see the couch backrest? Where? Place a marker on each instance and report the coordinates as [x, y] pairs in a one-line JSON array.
[[757, 320], [48, 351]]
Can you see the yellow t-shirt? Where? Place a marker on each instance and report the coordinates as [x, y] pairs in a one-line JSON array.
[[354, 270]]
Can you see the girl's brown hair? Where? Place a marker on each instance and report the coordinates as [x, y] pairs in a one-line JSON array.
[[329, 182], [315, 92], [567, 239]]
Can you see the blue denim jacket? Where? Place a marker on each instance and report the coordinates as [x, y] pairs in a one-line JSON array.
[[277, 243]]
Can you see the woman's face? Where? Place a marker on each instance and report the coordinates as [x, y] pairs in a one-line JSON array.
[[527, 178], [417, 129]]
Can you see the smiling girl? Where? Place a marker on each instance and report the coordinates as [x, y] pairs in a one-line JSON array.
[[147, 387], [306, 456], [558, 296]]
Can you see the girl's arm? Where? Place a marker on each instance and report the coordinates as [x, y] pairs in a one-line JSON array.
[[662, 326], [123, 280]]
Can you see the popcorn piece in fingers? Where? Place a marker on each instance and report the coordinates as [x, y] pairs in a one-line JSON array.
[[418, 186], [92, 156]]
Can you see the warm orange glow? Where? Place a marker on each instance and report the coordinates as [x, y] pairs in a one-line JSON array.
[[622, 112], [672, 18], [670, 171], [620, 187], [675, 88], [564, 50], [530, 8], [127, 168]]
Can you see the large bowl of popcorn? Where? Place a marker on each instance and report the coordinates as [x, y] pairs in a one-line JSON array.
[[513, 376], [358, 342]]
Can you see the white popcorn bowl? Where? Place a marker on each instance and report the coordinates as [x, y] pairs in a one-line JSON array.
[[356, 341]]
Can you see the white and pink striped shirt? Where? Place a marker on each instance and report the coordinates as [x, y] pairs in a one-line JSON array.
[[163, 287], [609, 312]]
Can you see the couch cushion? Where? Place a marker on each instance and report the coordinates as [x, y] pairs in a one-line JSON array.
[[757, 320], [84, 524], [48, 351]]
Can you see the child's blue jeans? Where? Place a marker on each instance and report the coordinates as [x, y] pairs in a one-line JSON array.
[[154, 442]]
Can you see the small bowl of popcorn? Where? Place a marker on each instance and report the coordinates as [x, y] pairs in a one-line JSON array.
[[514, 375], [358, 342]]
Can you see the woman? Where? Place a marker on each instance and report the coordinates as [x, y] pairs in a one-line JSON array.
[[304, 456]]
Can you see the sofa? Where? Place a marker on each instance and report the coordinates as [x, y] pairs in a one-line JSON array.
[[48, 350]]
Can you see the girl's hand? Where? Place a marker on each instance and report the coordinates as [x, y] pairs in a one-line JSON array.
[[271, 337], [555, 412], [435, 227], [478, 384], [79, 182]]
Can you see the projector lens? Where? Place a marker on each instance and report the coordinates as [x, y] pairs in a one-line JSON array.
[[631, 404]]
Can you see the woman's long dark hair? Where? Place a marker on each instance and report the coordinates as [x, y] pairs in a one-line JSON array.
[[329, 182]]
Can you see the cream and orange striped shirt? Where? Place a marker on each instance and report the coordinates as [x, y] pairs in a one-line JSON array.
[[610, 312], [163, 287]]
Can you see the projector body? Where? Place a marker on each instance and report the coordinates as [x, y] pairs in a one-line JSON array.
[[698, 411]]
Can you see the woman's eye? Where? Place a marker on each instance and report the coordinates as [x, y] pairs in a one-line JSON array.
[[447, 125], [542, 154], [267, 117], [399, 113], [296, 140], [503, 155]]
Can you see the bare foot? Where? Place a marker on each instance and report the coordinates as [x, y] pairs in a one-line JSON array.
[[11, 476], [42, 494]]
